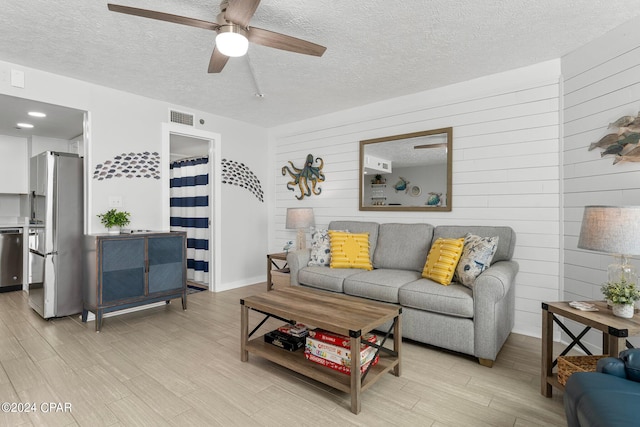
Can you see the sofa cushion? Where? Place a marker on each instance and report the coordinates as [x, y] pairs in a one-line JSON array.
[[506, 237], [442, 260], [402, 246], [359, 227], [476, 258], [380, 285], [424, 294], [320, 247], [349, 250], [329, 279]]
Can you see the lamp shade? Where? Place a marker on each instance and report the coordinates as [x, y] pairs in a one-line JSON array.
[[299, 218], [611, 229]]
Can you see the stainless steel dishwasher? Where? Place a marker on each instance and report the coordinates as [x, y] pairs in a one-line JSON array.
[[11, 241]]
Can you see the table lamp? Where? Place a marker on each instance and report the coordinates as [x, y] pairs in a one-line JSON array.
[[613, 230], [300, 219]]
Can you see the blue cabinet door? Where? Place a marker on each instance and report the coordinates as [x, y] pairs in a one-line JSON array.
[[166, 263], [123, 266]]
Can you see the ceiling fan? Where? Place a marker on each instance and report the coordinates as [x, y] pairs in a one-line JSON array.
[[233, 31]]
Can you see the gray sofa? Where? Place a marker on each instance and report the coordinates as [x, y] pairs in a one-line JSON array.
[[474, 321]]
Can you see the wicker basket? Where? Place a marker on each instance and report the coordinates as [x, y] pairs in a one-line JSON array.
[[568, 365]]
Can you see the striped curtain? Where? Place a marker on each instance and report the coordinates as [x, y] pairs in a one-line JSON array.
[[190, 212]]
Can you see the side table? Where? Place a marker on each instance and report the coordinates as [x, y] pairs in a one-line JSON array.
[[615, 331], [277, 270]]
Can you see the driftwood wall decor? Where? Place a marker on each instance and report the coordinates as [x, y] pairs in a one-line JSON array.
[[623, 144]]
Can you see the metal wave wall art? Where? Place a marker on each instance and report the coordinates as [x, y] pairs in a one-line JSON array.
[[236, 173], [129, 165]]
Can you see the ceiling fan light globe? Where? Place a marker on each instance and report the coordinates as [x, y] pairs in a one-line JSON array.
[[231, 43]]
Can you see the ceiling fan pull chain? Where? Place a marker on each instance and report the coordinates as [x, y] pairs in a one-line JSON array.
[[259, 93]]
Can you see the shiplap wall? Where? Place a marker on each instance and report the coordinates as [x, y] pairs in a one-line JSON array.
[[601, 84], [505, 167]]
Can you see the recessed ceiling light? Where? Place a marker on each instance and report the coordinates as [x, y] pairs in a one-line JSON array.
[[25, 125], [36, 114]]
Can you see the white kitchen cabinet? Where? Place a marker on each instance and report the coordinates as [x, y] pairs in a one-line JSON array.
[[14, 161]]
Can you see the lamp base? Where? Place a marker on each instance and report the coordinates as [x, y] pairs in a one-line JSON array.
[[620, 271], [301, 239]]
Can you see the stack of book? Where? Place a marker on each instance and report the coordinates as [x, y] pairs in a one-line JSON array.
[[334, 351], [288, 337]]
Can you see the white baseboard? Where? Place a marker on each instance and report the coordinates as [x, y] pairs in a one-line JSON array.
[[240, 283]]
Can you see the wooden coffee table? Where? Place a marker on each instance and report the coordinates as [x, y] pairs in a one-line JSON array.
[[338, 313]]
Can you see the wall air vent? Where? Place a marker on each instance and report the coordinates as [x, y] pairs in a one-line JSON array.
[[181, 117], [377, 165]]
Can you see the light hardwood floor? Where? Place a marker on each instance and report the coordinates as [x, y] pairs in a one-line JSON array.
[[164, 366]]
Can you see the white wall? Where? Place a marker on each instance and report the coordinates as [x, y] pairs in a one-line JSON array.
[[600, 85], [505, 167], [122, 122], [10, 205], [41, 144]]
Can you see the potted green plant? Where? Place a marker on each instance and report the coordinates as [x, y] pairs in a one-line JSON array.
[[114, 220], [622, 295]]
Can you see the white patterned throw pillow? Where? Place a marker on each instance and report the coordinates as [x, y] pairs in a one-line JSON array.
[[320, 247], [476, 258]]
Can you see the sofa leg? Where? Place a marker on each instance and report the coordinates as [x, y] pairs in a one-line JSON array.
[[485, 362]]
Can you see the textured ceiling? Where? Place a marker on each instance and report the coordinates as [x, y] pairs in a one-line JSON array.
[[376, 49]]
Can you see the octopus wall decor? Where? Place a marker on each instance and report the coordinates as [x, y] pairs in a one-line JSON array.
[[306, 178]]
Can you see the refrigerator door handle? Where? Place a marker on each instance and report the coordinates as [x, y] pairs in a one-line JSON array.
[[33, 251], [32, 203]]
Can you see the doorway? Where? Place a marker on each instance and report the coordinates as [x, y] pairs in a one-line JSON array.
[[192, 188]]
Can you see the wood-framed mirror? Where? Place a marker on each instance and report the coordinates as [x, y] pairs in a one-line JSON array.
[[408, 172]]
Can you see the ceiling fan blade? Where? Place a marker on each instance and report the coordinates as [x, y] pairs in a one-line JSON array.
[[161, 16], [283, 42], [217, 61], [240, 11], [440, 145]]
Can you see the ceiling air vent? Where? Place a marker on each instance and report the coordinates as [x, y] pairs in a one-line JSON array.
[[181, 118]]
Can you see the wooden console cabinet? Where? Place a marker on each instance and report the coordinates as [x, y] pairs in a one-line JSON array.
[[128, 270]]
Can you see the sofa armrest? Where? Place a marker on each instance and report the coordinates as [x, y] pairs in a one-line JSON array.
[[611, 366], [494, 308], [297, 260], [494, 283]]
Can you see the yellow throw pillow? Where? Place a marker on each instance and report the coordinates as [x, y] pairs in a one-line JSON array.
[[442, 260], [349, 250]]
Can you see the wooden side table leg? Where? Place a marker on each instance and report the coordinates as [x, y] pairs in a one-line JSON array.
[[616, 345], [244, 332], [547, 352], [356, 375], [268, 273], [606, 343]]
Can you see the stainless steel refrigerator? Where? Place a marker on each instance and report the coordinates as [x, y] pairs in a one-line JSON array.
[[56, 234]]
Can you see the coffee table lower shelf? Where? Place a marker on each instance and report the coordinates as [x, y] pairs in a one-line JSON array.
[[341, 314], [296, 361]]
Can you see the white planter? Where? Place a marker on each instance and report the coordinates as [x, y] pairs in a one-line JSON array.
[[114, 230], [623, 310]]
